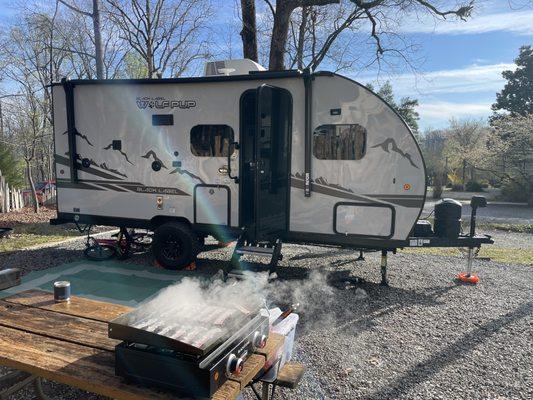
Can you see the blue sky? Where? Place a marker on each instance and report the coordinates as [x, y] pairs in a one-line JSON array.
[[463, 61], [460, 63]]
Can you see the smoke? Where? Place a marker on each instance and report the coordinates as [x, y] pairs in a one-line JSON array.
[[200, 313]]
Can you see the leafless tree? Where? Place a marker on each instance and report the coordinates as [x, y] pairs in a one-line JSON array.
[[313, 40], [169, 35], [75, 37], [32, 63], [465, 144], [249, 29], [94, 15]]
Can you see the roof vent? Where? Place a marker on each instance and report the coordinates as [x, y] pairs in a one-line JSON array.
[[231, 67]]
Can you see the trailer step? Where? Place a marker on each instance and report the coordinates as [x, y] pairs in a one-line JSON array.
[[255, 250], [242, 247]]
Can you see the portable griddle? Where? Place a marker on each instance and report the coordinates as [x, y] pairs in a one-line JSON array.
[[194, 357]]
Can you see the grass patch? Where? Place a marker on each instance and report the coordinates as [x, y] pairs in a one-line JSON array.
[[27, 235], [497, 254], [17, 242], [519, 228]]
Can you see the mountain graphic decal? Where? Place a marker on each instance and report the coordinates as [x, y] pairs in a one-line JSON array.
[[110, 146], [84, 137], [152, 154], [390, 144]]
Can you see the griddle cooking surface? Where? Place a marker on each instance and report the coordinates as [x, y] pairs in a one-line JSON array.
[[194, 331]]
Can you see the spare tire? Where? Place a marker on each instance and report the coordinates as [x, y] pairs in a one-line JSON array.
[[175, 245]]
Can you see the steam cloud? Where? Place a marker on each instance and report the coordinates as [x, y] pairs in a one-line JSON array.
[[200, 313]]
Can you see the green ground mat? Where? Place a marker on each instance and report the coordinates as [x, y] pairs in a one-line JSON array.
[[115, 282]]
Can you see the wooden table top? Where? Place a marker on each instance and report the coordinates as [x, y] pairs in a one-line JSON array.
[[68, 343]]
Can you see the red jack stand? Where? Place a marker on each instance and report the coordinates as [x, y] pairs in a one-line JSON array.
[[468, 277]]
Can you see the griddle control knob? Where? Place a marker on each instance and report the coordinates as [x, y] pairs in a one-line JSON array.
[[234, 365], [259, 341]]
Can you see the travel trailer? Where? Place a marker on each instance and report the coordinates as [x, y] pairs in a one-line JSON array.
[[241, 153]]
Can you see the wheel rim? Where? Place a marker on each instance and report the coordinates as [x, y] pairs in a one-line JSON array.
[[171, 248]]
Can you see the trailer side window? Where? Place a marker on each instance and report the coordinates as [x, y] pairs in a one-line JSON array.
[[339, 142], [211, 140]]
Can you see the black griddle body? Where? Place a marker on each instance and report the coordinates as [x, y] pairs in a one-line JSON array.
[[195, 376]]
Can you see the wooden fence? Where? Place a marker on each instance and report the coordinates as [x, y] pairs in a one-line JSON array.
[[10, 199]]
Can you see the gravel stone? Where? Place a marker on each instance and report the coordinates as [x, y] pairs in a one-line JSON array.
[[424, 337]]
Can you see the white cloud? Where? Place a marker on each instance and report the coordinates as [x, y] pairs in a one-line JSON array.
[[472, 79], [443, 110], [518, 22], [460, 93]]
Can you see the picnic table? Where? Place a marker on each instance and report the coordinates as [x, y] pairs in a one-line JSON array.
[[68, 343]]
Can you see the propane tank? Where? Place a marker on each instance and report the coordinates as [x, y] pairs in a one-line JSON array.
[[448, 218]]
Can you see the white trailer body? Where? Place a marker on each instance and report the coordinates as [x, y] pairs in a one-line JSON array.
[[148, 151]]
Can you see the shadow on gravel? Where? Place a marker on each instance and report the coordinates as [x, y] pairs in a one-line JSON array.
[[385, 301], [450, 354]]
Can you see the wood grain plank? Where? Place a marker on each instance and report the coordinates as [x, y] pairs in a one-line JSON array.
[[55, 325], [230, 390], [68, 363], [274, 344], [290, 375], [251, 367], [77, 306]]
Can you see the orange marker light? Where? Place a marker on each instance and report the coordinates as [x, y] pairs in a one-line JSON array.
[[406, 186]]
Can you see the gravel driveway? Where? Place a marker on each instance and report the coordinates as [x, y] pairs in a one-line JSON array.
[[506, 213], [424, 337]]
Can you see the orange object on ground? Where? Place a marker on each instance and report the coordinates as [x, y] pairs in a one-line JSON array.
[[224, 244], [190, 267], [464, 277]]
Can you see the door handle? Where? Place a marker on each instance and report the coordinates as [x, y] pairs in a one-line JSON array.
[[231, 147]]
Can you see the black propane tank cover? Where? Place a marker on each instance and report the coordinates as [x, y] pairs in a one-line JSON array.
[[448, 218]]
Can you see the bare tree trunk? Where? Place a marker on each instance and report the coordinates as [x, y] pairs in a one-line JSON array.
[[149, 42], [301, 38], [32, 187], [280, 30], [249, 30], [98, 40], [279, 35], [464, 174], [1, 122]]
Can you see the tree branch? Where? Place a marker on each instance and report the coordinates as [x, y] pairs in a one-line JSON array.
[[76, 9]]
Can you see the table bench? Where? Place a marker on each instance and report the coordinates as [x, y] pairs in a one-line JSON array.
[[68, 343]]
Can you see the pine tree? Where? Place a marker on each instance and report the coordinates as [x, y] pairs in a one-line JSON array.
[[406, 107], [517, 95], [10, 167]]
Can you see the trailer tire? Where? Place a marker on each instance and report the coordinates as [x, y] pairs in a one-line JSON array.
[[175, 245]]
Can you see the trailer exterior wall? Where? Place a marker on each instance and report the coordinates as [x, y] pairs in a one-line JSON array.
[[391, 172], [375, 199]]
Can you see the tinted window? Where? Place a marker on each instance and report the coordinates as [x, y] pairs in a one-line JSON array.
[[211, 140], [339, 142]]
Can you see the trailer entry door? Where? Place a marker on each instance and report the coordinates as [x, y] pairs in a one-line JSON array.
[[265, 160]]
